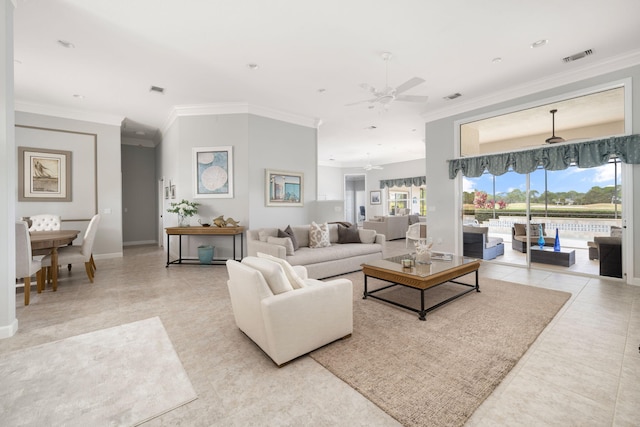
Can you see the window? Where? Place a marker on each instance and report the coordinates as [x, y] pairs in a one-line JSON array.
[[407, 200]]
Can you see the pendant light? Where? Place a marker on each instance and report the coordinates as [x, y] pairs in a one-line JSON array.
[[553, 138]]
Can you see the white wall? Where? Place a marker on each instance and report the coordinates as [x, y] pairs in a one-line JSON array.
[[330, 183], [444, 218], [8, 172]]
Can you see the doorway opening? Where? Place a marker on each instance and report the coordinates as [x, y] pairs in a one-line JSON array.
[[355, 198]]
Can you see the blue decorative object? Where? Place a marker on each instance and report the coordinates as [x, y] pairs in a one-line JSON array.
[[556, 244], [541, 237]]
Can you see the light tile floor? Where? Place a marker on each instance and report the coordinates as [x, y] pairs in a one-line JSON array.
[[583, 370]]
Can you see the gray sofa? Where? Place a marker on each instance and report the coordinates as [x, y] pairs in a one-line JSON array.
[[339, 258]]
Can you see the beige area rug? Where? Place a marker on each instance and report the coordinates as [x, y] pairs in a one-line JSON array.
[[119, 376], [436, 373]]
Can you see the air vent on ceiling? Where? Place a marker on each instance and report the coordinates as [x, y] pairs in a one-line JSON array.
[[577, 56], [453, 96], [156, 89]]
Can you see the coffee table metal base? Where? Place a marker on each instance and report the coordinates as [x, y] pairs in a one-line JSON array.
[[422, 313]]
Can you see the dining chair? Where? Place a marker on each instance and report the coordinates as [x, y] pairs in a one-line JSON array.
[[44, 222], [26, 266], [79, 254]]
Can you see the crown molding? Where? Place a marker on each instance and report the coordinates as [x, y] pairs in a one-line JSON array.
[[65, 113], [612, 64], [238, 108]]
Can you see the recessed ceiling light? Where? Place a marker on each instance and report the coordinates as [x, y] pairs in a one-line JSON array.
[[78, 96], [539, 43], [496, 60], [322, 90], [66, 44], [156, 89], [253, 66]]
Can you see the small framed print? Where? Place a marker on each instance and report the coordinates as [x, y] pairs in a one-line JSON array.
[[44, 175], [375, 197], [284, 188]]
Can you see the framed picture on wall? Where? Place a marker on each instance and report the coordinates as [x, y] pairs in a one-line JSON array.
[[375, 197], [172, 191], [213, 172], [284, 188], [166, 192], [44, 175]]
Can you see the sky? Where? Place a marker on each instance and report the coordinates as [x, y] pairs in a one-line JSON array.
[[573, 178]]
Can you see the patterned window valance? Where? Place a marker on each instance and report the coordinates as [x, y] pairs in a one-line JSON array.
[[403, 182], [586, 154]]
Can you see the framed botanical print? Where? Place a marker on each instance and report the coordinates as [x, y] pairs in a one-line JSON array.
[[44, 175], [213, 172]]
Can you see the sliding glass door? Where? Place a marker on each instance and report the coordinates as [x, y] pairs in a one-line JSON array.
[[579, 206]]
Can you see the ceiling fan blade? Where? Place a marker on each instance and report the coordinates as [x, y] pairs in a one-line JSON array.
[[409, 84], [360, 102], [412, 98]]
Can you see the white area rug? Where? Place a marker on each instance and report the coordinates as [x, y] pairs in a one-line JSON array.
[[119, 376]]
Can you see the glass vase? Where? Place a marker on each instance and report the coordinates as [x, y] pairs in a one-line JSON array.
[[541, 237], [183, 221]]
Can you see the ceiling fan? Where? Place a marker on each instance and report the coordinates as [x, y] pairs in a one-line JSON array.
[[369, 166], [553, 139], [387, 95]]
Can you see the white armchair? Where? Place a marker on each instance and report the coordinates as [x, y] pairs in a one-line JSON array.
[[283, 321], [417, 231]]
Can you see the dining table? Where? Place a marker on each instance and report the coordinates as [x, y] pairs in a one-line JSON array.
[[50, 241]]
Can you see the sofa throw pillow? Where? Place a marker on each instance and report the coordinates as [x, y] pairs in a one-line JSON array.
[[319, 235], [288, 232], [348, 234], [295, 281], [367, 236], [282, 241], [272, 272]]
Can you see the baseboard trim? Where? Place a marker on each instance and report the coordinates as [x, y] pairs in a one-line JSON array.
[[140, 242], [9, 330], [108, 256]]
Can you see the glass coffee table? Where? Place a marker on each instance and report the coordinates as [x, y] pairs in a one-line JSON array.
[[421, 277]]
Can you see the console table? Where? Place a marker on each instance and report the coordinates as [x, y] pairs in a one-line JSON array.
[[232, 232]]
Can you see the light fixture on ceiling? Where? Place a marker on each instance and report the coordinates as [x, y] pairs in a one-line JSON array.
[[67, 44], [78, 96], [553, 139], [539, 43], [157, 89], [253, 66]]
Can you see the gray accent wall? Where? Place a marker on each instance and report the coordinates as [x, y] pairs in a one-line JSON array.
[[258, 143], [444, 216], [108, 243], [139, 195]]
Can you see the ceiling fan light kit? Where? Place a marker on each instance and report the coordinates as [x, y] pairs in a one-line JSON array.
[[553, 139]]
